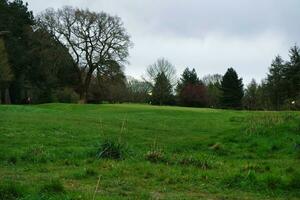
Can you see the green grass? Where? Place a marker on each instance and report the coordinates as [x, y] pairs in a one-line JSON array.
[[51, 151]]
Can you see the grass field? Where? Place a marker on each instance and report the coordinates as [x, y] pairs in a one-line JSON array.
[[50, 152]]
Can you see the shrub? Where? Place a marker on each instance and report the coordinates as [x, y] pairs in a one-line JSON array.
[[11, 191], [66, 95], [111, 149], [54, 187]]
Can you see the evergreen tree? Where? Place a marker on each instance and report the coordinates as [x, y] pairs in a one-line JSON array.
[[250, 100], [232, 90], [191, 91], [16, 19], [277, 83], [292, 74], [162, 90], [189, 77]]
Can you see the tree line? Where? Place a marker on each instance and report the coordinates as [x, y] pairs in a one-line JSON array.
[[75, 55]]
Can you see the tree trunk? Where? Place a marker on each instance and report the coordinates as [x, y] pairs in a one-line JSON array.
[[7, 96], [85, 87]]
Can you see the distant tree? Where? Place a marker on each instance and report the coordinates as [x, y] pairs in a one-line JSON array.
[[108, 84], [138, 91], [93, 39], [251, 97], [263, 96], [51, 68], [188, 77], [232, 90], [213, 85], [6, 75], [277, 83], [190, 89], [214, 79], [292, 72], [162, 90], [161, 66]]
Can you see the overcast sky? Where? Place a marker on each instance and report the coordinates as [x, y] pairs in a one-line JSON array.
[[208, 35]]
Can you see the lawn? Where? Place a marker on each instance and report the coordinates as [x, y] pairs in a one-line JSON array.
[[52, 151]]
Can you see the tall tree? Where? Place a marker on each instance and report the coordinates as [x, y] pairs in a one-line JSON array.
[[17, 20], [232, 90], [108, 84], [51, 67], [162, 65], [162, 90], [6, 75], [191, 91], [93, 39], [293, 72], [251, 96], [213, 85], [138, 91]]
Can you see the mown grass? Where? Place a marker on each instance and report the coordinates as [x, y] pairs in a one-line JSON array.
[[63, 151]]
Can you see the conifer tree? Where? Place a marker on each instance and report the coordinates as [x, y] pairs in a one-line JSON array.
[[232, 90]]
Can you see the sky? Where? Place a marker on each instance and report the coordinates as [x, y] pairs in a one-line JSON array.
[[208, 35]]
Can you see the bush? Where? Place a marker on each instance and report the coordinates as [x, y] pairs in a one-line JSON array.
[[66, 95], [111, 149], [54, 187]]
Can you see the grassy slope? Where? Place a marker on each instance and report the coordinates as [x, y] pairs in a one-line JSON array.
[[250, 155]]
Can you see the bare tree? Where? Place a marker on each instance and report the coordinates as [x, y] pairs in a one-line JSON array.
[[161, 66], [94, 40]]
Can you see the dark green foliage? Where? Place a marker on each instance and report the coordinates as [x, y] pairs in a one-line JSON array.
[[251, 97], [190, 90], [232, 90], [162, 90], [66, 95], [112, 149], [52, 72], [6, 75], [16, 19], [283, 82], [276, 83], [109, 85]]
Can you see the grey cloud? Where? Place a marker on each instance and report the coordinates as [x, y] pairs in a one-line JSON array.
[[209, 35]]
